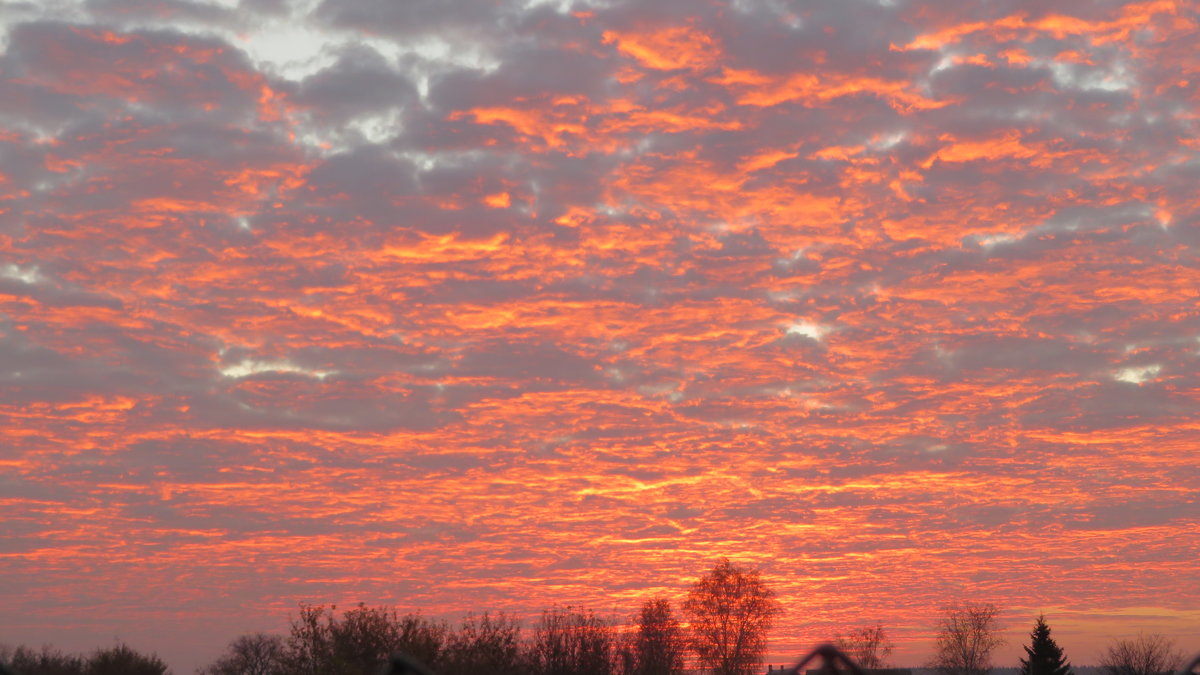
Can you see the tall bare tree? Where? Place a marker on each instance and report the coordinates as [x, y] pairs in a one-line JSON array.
[[730, 611], [869, 646], [658, 645], [966, 637], [1152, 654]]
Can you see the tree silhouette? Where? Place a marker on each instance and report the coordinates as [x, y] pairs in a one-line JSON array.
[[1045, 657], [123, 660], [254, 654], [730, 611], [569, 641], [1152, 654], [361, 641], [658, 646], [966, 638], [484, 643], [868, 646], [47, 661]]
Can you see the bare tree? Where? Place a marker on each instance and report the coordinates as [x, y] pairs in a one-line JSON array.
[[966, 638], [1152, 654], [308, 649], [569, 641], [869, 646], [360, 641], [730, 611], [658, 646], [484, 643], [253, 654]]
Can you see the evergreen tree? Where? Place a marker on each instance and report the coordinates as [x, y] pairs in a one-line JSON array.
[[1045, 657]]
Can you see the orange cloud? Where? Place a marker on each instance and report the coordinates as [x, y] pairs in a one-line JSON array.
[[1008, 145], [500, 200], [669, 48], [851, 322], [1133, 16], [756, 89]]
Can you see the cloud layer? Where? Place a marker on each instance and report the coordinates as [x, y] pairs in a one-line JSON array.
[[470, 305]]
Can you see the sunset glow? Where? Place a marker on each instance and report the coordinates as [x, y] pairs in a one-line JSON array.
[[495, 305]]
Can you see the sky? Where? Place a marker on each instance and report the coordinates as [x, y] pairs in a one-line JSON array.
[[458, 306]]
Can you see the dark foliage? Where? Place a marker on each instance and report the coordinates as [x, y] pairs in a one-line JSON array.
[[1043, 655], [47, 661], [122, 660]]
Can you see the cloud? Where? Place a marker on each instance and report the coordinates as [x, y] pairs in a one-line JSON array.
[[504, 304]]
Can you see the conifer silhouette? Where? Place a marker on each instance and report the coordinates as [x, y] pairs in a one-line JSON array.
[[1045, 657]]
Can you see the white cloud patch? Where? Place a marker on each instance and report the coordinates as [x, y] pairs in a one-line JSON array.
[[1137, 374], [29, 275], [378, 129], [291, 50], [888, 141], [1073, 76], [990, 241], [248, 367], [815, 331]]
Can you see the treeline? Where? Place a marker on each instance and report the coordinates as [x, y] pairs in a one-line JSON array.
[[720, 629], [359, 641], [728, 614], [564, 641], [119, 659]]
